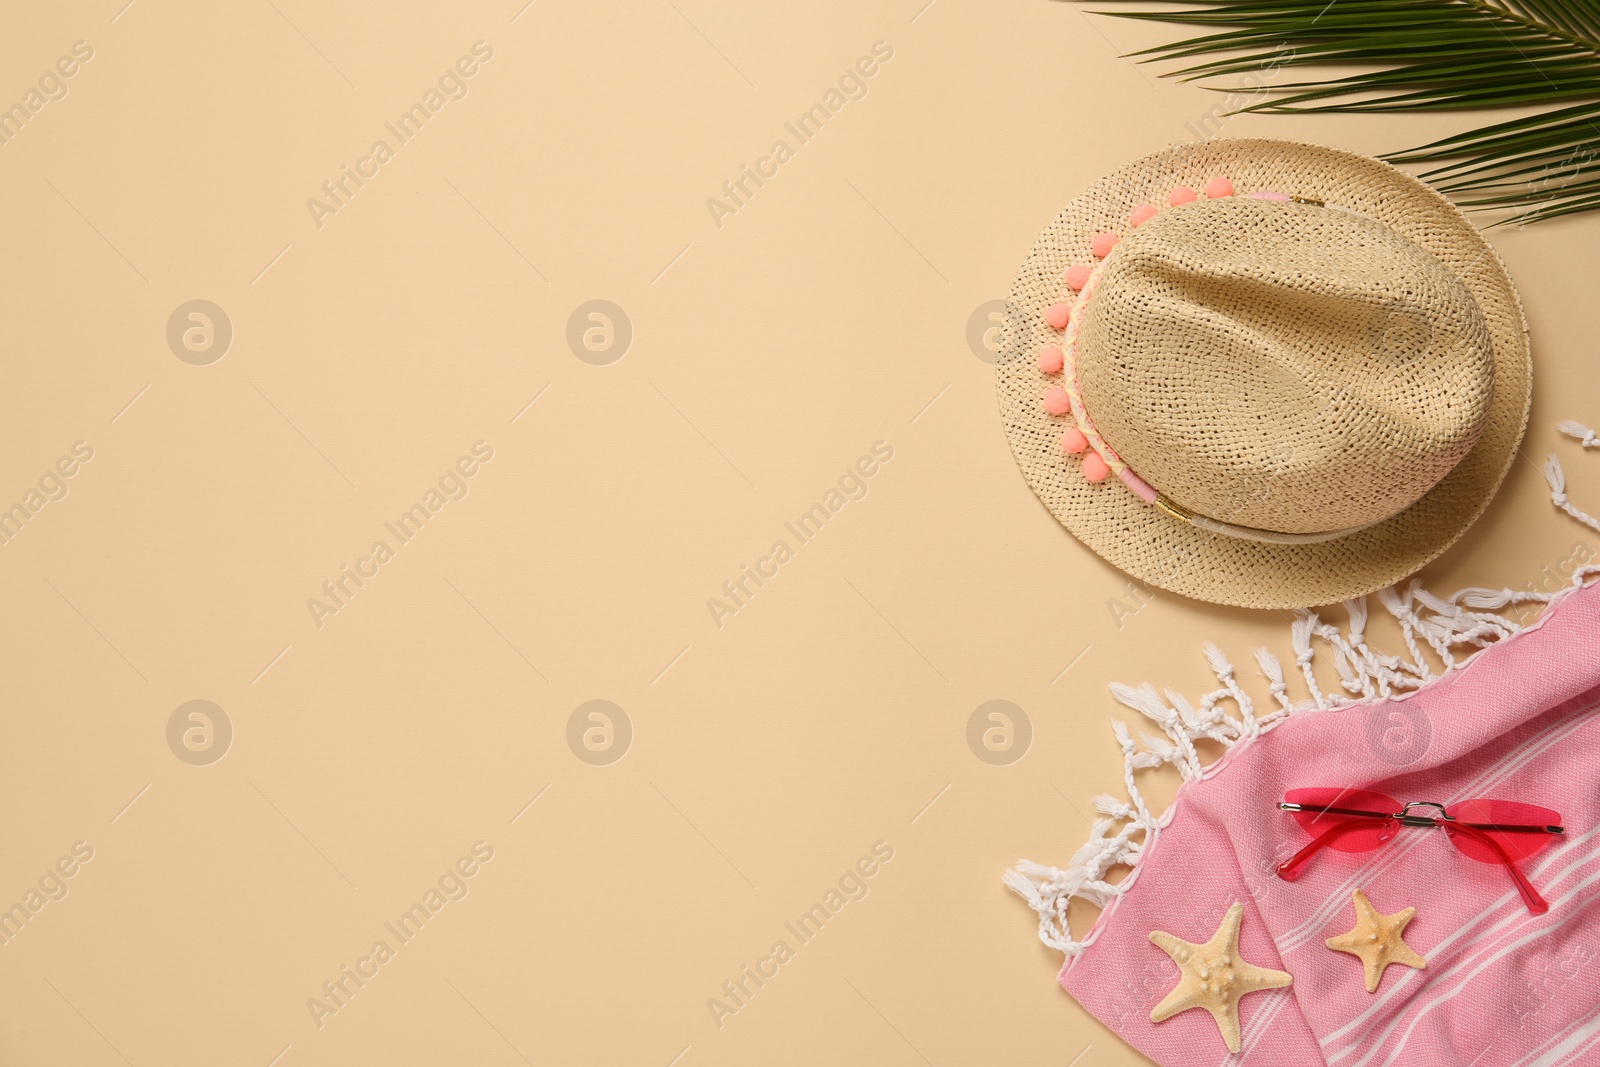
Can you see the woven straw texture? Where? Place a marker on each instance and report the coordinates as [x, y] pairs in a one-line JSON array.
[[1284, 366], [1275, 365]]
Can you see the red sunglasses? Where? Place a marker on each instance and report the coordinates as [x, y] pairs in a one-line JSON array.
[[1358, 820]]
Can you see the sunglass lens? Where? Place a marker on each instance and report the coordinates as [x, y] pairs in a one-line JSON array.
[[1368, 834], [1517, 845]]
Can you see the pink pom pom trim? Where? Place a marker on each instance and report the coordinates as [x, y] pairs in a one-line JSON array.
[[1219, 187], [1181, 195], [1099, 459], [1103, 243], [1142, 214]]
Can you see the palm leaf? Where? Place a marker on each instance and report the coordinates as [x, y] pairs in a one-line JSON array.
[[1424, 55]]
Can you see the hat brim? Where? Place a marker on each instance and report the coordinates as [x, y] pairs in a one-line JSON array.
[[1164, 551]]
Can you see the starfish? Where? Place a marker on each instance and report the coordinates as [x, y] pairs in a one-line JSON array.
[[1213, 976], [1376, 939]]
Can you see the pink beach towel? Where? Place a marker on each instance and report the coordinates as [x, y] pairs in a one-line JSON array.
[[1501, 986]]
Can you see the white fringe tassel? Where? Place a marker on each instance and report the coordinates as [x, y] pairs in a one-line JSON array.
[[1579, 431], [1454, 629]]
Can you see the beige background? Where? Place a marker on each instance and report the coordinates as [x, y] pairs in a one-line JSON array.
[[830, 312]]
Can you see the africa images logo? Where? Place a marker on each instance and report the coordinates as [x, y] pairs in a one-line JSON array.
[[738, 191], [451, 886], [341, 589], [452, 85]]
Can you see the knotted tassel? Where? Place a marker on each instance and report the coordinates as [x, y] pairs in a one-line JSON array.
[[1579, 431]]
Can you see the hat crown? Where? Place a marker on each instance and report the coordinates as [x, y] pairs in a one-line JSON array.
[[1284, 366]]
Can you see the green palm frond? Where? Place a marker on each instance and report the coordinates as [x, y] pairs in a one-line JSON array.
[[1424, 55]]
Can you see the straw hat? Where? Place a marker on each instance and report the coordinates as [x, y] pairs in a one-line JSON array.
[[1263, 373]]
